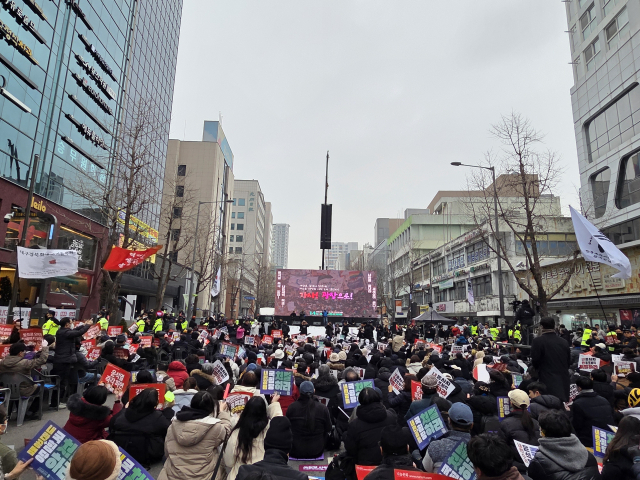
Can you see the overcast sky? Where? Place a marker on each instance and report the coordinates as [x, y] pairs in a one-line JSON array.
[[395, 90]]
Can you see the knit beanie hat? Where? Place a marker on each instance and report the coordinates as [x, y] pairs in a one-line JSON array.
[[279, 435], [334, 358], [342, 356], [95, 460]]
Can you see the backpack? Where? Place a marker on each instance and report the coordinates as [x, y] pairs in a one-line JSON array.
[[490, 424], [333, 440]]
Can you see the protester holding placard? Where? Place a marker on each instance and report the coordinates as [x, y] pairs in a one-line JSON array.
[[88, 416], [460, 423], [192, 440], [617, 463], [17, 363], [365, 431], [140, 429], [246, 442], [401, 401], [310, 424], [326, 386], [204, 376], [491, 459], [519, 425], [540, 400], [65, 353], [589, 409], [560, 454]]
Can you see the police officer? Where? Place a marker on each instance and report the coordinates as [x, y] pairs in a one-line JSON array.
[[184, 324], [52, 324], [157, 325], [102, 320], [586, 336], [474, 330], [495, 333], [141, 323], [517, 334]]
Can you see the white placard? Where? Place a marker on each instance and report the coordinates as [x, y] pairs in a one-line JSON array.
[[220, 372], [527, 452], [46, 263]]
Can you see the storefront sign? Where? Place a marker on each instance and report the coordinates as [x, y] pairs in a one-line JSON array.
[[17, 13], [138, 226], [446, 284], [444, 307], [89, 134], [81, 15], [95, 96], [93, 73], [613, 283], [98, 58], [12, 39], [36, 8]]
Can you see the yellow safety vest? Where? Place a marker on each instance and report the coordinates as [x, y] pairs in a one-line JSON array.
[[104, 323], [141, 325], [184, 325], [474, 330], [517, 335], [586, 335], [157, 327], [494, 333], [50, 328]]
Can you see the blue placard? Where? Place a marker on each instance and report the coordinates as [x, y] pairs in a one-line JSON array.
[[457, 465], [351, 390], [273, 381], [504, 407], [601, 440], [426, 425]]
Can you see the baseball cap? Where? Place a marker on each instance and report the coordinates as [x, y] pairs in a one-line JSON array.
[[601, 345], [519, 398], [461, 414], [307, 387]]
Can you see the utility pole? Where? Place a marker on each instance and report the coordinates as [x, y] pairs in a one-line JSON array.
[[324, 220]]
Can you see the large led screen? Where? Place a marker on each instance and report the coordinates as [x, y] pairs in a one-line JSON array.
[[342, 293]]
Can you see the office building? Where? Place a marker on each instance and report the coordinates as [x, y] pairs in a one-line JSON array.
[[71, 71], [280, 245], [199, 172], [332, 257], [249, 242], [384, 227]]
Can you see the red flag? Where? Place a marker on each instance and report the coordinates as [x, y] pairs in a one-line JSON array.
[[121, 260]]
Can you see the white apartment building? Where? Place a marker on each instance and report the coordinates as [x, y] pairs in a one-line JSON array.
[[332, 257], [280, 245]]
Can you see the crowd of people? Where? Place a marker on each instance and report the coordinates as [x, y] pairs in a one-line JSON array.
[[554, 404]]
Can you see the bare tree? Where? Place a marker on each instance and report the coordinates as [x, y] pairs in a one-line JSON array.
[[266, 286], [526, 207], [208, 256]]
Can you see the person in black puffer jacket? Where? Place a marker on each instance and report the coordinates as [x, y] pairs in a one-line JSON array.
[[540, 401], [382, 382], [519, 425], [589, 410], [601, 386], [140, 429], [362, 440], [395, 455], [617, 462], [402, 401], [484, 407], [327, 387], [560, 455], [310, 424]]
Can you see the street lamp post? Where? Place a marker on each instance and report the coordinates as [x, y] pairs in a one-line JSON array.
[[190, 310], [496, 232]]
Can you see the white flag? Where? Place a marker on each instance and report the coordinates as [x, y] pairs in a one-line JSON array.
[[215, 290], [596, 247], [45, 263], [470, 298]]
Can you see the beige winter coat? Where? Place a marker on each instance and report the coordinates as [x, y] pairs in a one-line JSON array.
[[396, 343], [229, 460], [191, 447]]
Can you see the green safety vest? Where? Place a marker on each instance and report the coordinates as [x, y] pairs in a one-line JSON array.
[[141, 325], [474, 330], [50, 328], [586, 335], [157, 326], [104, 323], [494, 333]]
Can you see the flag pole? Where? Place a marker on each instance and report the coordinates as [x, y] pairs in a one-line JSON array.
[[596, 290]]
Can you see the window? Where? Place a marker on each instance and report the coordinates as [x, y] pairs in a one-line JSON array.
[[177, 212], [173, 256], [439, 267], [241, 202], [617, 28], [239, 238], [600, 190], [39, 236], [180, 191], [175, 234], [85, 245], [476, 252], [481, 286], [550, 245], [240, 226], [233, 214], [230, 249], [460, 290], [238, 250], [234, 202], [587, 22], [233, 226], [582, 3], [608, 6], [240, 214], [456, 261], [591, 53], [231, 238], [629, 183], [439, 295], [182, 170], [615, 125]]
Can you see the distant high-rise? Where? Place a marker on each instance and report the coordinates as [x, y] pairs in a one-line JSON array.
[[332, 256], [280, 245]]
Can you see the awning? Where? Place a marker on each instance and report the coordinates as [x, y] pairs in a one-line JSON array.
[[434, 317], [615, 301]]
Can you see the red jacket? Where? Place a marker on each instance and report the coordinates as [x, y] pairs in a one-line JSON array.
[[88, 421], [178, 372]]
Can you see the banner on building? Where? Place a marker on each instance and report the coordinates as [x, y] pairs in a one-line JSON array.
[[215, 289], [470, 298], [46, 263], [121, 259]]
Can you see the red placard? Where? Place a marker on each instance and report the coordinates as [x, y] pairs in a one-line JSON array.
[[363, 470], [136, 388], [145, 342], [133, 348], [4, 350], [115, 378], [121, 260], [415, 475], [114, 331], [32, 337], [93, 332], [267, 340], [238, 400], [416, 390], [93, 353], [89, 343], [5, 331], [276, 333], [121, 353]]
